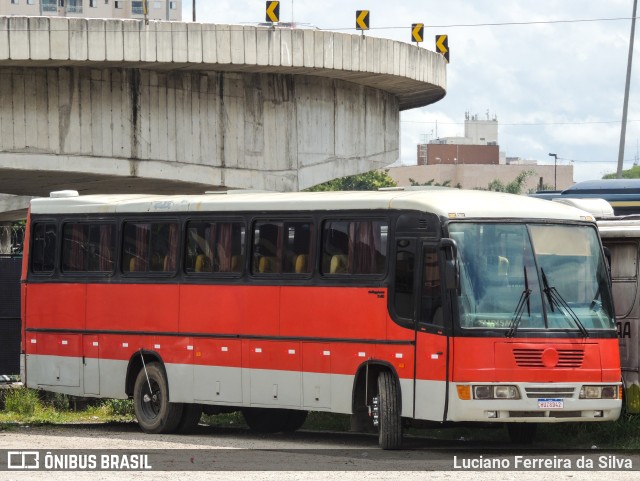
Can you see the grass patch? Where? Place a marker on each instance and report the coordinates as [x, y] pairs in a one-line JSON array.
[[22, 405]]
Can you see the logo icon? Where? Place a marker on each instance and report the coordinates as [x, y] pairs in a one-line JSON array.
[[23, 459]]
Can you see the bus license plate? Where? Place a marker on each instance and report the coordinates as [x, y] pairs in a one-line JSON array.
[[550, 404]]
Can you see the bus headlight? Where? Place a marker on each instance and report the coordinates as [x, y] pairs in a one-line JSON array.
[[496, 392], [599, 392]]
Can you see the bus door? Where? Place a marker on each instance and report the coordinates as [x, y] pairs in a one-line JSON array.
[[431, 336]]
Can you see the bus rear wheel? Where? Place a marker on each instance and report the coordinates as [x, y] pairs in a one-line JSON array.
[[264, 420], [389, 418], [154, 412], [190, 418]]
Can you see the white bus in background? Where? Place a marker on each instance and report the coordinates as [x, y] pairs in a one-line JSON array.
[[621, 237]]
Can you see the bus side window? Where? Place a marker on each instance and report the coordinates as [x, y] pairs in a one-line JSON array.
[[404, 290], [43, 247], [431, 297]]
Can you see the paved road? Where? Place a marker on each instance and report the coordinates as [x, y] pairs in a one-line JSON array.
[[227, 453]]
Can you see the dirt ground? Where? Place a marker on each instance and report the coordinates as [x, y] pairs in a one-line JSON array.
[[227, 453]]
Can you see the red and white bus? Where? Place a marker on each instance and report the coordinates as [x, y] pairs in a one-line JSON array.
[[437, 305]]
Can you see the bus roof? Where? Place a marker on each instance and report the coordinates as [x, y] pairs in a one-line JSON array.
[[621, 227], [452, 203]]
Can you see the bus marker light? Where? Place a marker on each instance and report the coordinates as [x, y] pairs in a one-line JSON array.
[[292, 351], [362, 354], [401, 365], [198, 354], [189, 348], [125, 344], [258, 349], [33, 341], [326, 353], [95, 343], [398, 355], [464, 392], [156, 346], [65, 342], [224, 348], [619, 392], [492, 414], [434, 356]]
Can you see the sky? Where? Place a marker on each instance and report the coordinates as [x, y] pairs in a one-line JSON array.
[[551, 71]]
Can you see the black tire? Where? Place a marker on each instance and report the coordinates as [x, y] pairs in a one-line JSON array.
[[295, 420], [264, 420], [389, 420], [190, 418], [155, 415], [522, 433]]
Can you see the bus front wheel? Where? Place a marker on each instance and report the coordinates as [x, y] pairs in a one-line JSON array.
[[389, 419], [154, 412]]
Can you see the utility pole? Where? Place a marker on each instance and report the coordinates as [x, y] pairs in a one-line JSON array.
[[194, 10], [555, 171], [625, 106]]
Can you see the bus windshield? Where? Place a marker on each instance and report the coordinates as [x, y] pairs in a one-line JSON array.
[[532, 276]]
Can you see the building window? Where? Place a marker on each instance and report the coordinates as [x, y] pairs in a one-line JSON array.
[[74, 6], [14, 2], [118, 4], [49, 5], [136, 8], [30, 2], [173, 5], [93, 3]]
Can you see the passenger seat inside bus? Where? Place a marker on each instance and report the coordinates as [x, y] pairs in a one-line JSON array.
[[268, 265], [339, 264], [300, 266], [203, 263]]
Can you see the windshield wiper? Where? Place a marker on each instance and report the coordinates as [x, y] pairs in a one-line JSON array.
[[554, 296], [517, 315]]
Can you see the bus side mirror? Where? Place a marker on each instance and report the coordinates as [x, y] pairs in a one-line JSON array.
[[451, 266]]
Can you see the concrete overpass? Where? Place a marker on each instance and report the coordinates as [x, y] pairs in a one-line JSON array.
[[118, 106]]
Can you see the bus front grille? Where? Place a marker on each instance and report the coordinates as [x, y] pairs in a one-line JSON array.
[[567, 358], [549, 392]]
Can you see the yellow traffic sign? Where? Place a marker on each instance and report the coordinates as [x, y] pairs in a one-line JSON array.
[[273, 11], [442, 46], [362, 19], [417, 32]]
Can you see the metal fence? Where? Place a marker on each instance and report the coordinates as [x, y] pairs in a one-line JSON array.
[[11, 239]]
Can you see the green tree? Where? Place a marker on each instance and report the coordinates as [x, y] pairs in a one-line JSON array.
[[373, 180], [516, 186], [432, 182], [632, 173]]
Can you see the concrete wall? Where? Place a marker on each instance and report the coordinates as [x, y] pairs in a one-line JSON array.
[[121, 105], [479, 176], [263, 131]]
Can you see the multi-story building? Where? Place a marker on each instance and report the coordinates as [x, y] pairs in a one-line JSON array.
[[156, 9]]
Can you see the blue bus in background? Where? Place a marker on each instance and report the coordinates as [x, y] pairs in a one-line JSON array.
[[622, 194]]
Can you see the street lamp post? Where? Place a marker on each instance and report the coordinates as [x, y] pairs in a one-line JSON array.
[[555, 171]]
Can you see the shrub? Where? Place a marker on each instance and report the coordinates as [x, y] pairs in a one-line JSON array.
[[22, 401]]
